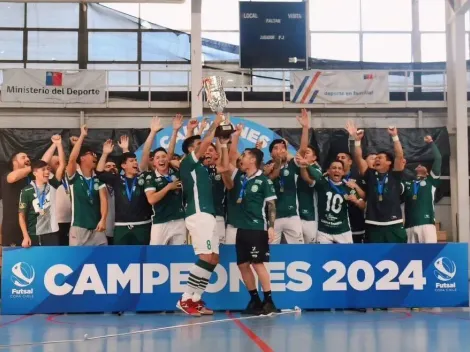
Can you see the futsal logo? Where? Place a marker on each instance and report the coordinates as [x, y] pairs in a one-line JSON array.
[[22, 274], [445, 271]]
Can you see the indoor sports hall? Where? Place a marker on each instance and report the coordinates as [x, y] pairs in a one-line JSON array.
[[165, 163]]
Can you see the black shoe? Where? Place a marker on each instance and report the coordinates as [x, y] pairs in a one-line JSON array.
[[255, 307], [380, 309], [269, 307], [360, 310]]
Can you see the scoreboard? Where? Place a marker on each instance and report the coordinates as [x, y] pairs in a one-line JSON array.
[[273, 35]]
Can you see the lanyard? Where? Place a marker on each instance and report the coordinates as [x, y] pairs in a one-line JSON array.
[[416, 185], [130, 191], [381, 185], [348, 176], [336, 188], [41, 197], [90, 187], [281, 179], [242, 191], [65, 184]]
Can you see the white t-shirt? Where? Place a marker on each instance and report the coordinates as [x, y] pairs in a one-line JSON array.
[[63, 206]]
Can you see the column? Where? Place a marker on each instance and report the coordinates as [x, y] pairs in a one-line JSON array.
[[196, 58]]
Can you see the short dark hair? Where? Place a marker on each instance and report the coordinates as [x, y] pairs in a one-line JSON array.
[[189, 142], [389, 156], [275, 142], [313, 149], [84, 151], [38, 164], [335, 161], [347, 153], [126, 156], [12, 159], [176, 157], [159, 149], [258, 154]]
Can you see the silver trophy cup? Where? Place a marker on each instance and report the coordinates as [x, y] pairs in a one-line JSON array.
[[217, 101]]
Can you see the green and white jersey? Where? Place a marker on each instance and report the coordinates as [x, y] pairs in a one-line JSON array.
[[306, 197], [333, 217], [234, 211], [218, 191], [420, 211], [254, 192], [86, 212], [171, 206], [38, 204], [286, 191], [197, 186]]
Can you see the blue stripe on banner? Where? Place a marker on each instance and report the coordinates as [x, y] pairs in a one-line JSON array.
[[314, 95], [301, 87]]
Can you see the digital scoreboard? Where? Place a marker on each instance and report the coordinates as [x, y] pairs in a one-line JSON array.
[[273, 35]]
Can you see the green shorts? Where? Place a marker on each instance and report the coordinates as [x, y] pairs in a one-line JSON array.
[[132, 235], [386, 234]]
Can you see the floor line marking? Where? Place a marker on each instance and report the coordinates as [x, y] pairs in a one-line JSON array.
[[17, 320], [137, 332], [251, 334]]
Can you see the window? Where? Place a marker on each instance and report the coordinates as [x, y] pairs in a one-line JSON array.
[[432, 15], [104, 17], [11, 14], [387, 48], [174, 16], [334, 15], [335, 46], [220, 14], [271, 81], [165, 46], [52, 46], [385, 15], [224, 37], [165, 78], [112, 46], [433, 47], [53, 15], [11, 47], [124, 78], [53, 66]]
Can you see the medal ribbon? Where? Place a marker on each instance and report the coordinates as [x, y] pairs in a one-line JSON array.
[[281, 179], [130, 190], [65, 184], [90, 187], [416, 185], [347, 177], [242, 191], [336, 188], [41, 197], [381, 185]]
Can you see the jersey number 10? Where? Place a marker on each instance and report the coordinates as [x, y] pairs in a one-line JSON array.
[[334, 202]]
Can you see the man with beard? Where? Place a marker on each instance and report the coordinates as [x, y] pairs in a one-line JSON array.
[[419, 200], [37, 213], [12, 183], [384, 220], [89, 198]]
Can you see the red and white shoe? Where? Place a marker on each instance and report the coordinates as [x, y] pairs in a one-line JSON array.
[[189, 307], [201, 307]]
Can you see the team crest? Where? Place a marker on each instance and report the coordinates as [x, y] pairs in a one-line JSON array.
[[148, 177], [22, 205], [270, 182], [141, 182], [422, 183], [97, 186], [254, 188], [286, 172], [258, 182], [217, 177]]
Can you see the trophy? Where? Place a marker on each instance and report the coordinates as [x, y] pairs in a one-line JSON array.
[[217, 101]]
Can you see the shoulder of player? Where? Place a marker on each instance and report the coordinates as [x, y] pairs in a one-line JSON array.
[[262, 179], [28, 189]]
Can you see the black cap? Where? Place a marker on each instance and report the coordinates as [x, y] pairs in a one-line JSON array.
[[38, 164]]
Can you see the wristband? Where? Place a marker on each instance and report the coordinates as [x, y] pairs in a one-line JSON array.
[[223, 146], [357, 143], [395, 138]]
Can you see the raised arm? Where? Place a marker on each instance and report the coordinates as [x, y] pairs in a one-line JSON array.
[[304, 121], [155, 126], [303, 164], [57, 140], [177, 124], [357, 135], [192, 124], [437, 163], [124, 143], [72, 164], [233, 152], [108, 148], [50, 151], [209, 137], [398, 164]]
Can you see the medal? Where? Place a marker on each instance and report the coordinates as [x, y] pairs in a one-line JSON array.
[[41, 197], [380, 198], [281, 189], [422, 183], [416, 185], [90, 189], [415, 197], [381, 186], [345, 197], [130, 190], [239, 200]]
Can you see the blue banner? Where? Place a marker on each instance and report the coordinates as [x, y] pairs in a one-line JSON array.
[[152, 278], [250, 135]]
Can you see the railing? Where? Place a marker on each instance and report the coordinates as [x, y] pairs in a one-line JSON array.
[[248, 81]]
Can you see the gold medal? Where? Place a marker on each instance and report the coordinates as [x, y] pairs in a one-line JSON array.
[[281, 189], [415, 197], [41, 211], [239, 201], [380, 198]]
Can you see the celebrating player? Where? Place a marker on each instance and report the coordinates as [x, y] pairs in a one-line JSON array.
[[419, 200]]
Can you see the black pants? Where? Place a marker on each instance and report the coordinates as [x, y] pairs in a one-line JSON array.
[[252, 246], [49, 239], [63, 233]]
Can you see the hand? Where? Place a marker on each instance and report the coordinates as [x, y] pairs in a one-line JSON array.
[[192, 124], [108, 147], [56, 139], [84, 131], [26, 242], [124, 143], [392, 131], [101, 227], [238, 130], [174, 185], [271, 235], [428, 139], [203, 126], [300, 160], [224, 140], [259, 144], [351, 184], [351, 128], [73, 140], [268, 168], [219, 118], [177, 122], [156, 124], [304, 120]]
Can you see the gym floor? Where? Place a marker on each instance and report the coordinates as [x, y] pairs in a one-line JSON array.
[[394, 330]]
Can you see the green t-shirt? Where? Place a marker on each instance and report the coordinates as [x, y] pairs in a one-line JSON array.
[[234, 211], [420, 211], [86, 212], [40, 222], [306, 198], [286, 191], [255, 191], [218, 191], [169, 207], [197, 186]]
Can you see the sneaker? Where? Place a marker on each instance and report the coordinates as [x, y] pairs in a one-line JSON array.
[[201, 307], [189, 307], [254, 307], [269, 307]]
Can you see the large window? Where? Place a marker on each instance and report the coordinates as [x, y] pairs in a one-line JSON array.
[[387, 47], [335, 15], [112, 46], [11, 14], [52, 15], [11, 47], [335, 46], [52, 46], [385, 15]]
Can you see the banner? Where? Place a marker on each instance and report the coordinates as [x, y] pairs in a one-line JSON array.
[[252, 132], [339, 87], [152, 278], [61, 87]]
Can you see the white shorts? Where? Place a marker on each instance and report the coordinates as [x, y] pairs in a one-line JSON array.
[[201, 227], [309, 231], [422, 234], [291, 228], [172, 232], [220, 228], [342, 238], [230, 234]]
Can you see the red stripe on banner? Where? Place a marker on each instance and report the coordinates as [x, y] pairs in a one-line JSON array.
[[310, 87], [263, 346]]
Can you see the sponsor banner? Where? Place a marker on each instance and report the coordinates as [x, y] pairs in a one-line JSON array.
[[152, 278], [252, 132], [61, 87], [339, 87]]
